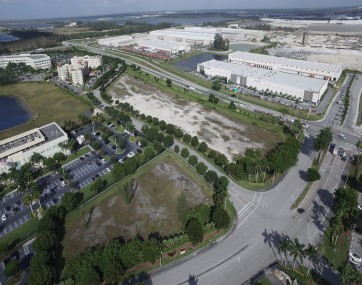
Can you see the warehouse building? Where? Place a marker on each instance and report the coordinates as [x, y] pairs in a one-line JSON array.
[[303, 88], [116, 41], [17, 150], [184, 36], [168, 46], [36, 61], [330, 72]]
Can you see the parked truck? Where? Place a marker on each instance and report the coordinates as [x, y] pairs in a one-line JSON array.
[[335, 149]]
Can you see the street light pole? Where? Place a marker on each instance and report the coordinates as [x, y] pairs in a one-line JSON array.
[[115, 140]]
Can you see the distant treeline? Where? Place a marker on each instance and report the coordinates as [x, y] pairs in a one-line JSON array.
[[33, 39]]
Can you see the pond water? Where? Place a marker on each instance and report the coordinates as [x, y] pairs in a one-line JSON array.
[[7, 38], [12, 113], [191, 63]]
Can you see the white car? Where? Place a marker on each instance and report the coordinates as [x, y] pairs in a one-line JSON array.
[[103, 160], [62, 183], [131, 154], [342, 136], [359, 207], [108, 169], [121, 160], [354, 258], [3, 217]]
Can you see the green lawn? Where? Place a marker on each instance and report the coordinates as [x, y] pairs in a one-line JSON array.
[[336, 255], [47, 103], [74, 156]]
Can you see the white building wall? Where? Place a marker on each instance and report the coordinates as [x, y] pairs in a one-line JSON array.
[[37, 61], [92, 61]]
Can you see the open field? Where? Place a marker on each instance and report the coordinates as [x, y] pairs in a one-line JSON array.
[[225, 134], [153, 208], [47, 103], [70, 30]]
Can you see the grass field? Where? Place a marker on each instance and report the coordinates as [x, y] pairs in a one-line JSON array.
[[152, 209], [336, 255], [47, 102]]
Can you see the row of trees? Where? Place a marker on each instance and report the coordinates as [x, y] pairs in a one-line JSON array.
[[298, 251]]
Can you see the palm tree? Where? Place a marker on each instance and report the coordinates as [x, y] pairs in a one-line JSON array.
[[36, 158], [130, 127], [297, 251], [312, 253], [4, 178], [284, 247], [98, 118], [28, 200]]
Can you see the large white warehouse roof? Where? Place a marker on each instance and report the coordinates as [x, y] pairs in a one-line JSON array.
[[268, 59], [276, 77]]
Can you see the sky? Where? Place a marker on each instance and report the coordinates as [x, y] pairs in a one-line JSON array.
[[33, 9]]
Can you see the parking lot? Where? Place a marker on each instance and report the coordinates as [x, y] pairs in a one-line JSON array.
[[356, 247]]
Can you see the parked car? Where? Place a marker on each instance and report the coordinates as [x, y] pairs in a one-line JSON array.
[[3, 217], [131, 154], [342, 136], [354, 258]]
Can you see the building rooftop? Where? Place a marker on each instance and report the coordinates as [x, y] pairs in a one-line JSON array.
[[52, 132], [286, 61], [30, 139], [302, 82], [184, 34], [162, 44], [32, 56]]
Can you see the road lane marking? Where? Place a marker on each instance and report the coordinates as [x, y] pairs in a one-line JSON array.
[[243, 209], [261, 194]]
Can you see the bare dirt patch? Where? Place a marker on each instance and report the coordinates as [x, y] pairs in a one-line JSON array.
[[227, 135], [153, 208]]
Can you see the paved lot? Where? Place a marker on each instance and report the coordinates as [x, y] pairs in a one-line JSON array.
[[356, 245]]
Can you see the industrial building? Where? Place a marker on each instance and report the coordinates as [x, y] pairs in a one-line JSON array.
[[232, 34], [17, 150], [319, 70], [303, 88], [36, 61], [184, 36], [168, 46], [92, 61], [116, 41]]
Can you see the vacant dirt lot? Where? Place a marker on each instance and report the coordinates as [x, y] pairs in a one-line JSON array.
[[152, 209], [229, 136]]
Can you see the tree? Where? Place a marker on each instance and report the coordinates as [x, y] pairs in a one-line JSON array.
[[168, 141], [169, 82], [216, 85], [170, 129], [212, 154], [221, 218], [11, 268], [186, 138], [211, 176], [194, 231], [312, 253], [36, 158], [349, 275], [202, 147], [70, 200], [313, 174], [185, 153], [221, 160], [232, 105], [220, 43], [213, 99], [177, 149], [284, 247], [323, 139], [297, 251], [192, 160], [151, 249], [194, 141], [41, 272], [201, 168], [359, 146]]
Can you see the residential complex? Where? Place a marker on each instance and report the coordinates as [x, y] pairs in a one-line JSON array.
[[36, 61], [17, 150], [78, 69], [303, 88], [319, 70], [92, 61], [75, 73]]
